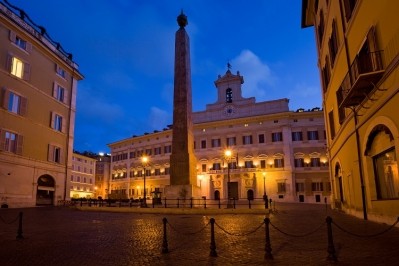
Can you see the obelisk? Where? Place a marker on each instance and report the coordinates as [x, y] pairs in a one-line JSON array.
[[183, 174]]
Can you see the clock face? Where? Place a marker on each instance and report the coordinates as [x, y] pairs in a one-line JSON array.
[[229, 110]]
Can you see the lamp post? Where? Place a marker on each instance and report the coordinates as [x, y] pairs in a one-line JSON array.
[[227, 155], [144, 161], [265, 199]]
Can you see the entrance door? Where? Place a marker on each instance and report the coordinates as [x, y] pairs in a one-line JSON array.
[[45, 190], [234, 190], [301, 198], [217, 195]]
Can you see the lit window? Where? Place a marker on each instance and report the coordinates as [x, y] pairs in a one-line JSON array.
[[386, 175], [17, 67]]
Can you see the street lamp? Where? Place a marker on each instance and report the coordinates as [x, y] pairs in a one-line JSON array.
[[227, 155], [144, 161]]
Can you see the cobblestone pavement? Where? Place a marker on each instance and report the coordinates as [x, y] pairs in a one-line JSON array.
[[298, 236]]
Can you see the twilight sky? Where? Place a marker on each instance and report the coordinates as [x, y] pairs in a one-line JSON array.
[[125, 50]]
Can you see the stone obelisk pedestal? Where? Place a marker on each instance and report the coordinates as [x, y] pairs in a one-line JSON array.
[[183, 172]]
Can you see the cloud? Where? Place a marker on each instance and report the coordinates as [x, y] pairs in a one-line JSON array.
[[305, 96], [257, 74], [158, 118]]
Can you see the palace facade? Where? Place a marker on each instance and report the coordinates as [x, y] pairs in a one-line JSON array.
[[273, 151]]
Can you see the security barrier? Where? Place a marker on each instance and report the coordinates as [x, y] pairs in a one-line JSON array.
[[331, 255]]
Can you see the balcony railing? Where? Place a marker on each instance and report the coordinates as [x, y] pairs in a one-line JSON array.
[[366, 71]]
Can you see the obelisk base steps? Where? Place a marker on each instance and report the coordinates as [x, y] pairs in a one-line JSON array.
[[182, 192]]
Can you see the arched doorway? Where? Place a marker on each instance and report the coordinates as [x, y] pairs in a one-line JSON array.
[[250, 194], [45, 190], [217, 195]]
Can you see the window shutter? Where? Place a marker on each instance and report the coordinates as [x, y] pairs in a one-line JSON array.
[[50, 155], [20, 141], [26, 75], [63, 125], [372, 39], [66, 96], [5, 94], [2, 139], [23, 106], [62, 156], [13, 36], [52, 120], [28, 47], [9, 63], [348, 10], [55, 90]]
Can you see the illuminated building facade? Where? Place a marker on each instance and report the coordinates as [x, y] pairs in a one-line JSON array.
[[82, 179], [274, 151], [358, 44], [38, 83]]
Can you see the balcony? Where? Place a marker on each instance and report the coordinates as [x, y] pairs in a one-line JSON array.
[[366, 70]]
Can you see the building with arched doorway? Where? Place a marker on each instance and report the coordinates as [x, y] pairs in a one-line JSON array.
[[273, 151], [38, 83], [357, 46]]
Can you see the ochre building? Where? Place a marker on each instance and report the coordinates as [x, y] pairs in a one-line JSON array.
[[38, 83], [357, 46]]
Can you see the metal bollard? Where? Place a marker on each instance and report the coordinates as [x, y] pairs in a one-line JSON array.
[[165, 202], [330, 249], [249, 203], [219, 202], [234, 203], [213, 252], [165, 240], [19, 232], [191, 203], [268, 247], [177, 202]]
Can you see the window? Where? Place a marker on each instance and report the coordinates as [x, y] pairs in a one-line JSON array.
[[57, 122], [297, 136], [167, 170], [11, 142], [281, 187], [55, 154], [277, 136], [216, 143], [262, 164], [326, 75], [300, 187], [261, 138], [148, 152], [14, 102], [203, 167], [249, 164], [18, 68], [59, 93], [229, 95], [60, 71], [168, 149], [203, 144], [279, 162], [157, 171], [317, 186], [315, 162], [246, 140], [386, 175], [333, 43], [299, 162], [231, 141], [331, 124], [132, 154], [320, 28], [216, 166], [313, 135], [21, 43], [72, 178], [157, 150], [349, 6]]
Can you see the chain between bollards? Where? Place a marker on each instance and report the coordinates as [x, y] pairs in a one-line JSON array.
[[19, 233], [213, 252], [165, 240], [268, 247], [330, 248]]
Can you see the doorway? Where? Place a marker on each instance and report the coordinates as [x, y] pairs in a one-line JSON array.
[[45, 190]]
